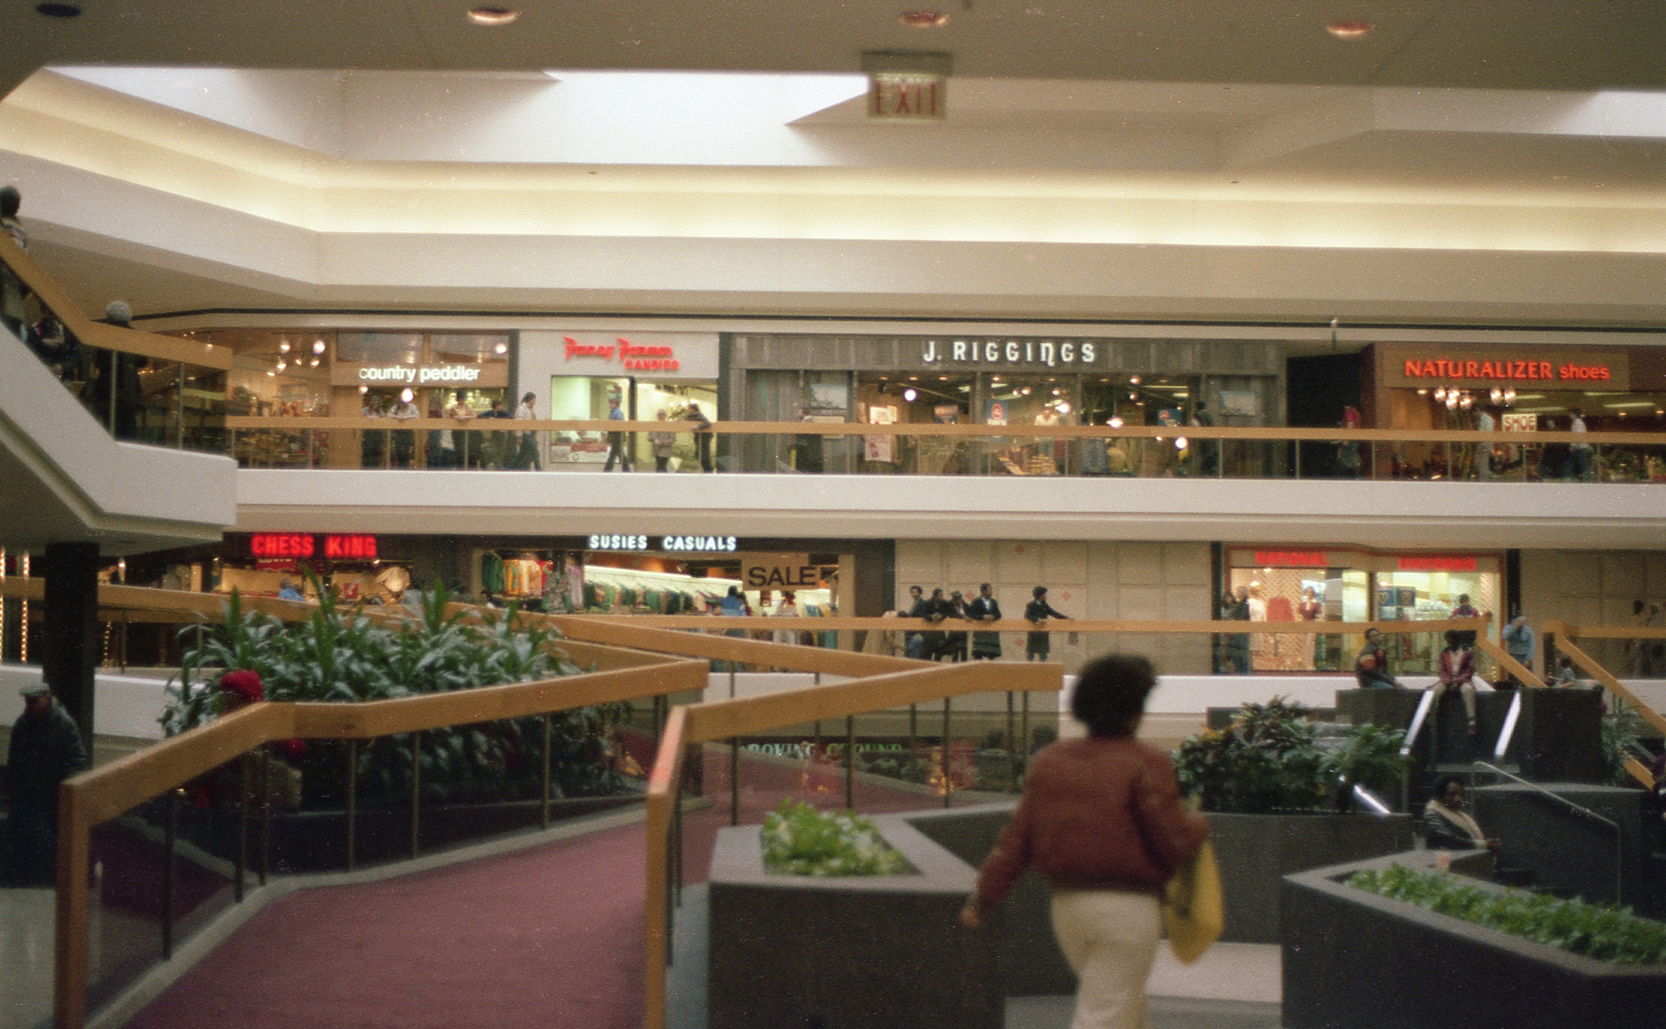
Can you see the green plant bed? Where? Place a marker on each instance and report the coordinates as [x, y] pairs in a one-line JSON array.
[[340, 656], [1604, 933], [1274, 758], [800, 840]]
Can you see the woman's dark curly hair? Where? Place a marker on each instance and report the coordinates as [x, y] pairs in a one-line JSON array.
[[1110, 693]]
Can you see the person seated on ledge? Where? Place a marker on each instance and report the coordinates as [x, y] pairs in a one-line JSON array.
[[1456, 671], [1447, 826], [1371, 667]]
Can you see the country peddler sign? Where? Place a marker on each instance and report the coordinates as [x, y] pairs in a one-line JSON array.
[[422, 376]]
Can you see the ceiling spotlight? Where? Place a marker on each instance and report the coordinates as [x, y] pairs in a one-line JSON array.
[[318, 346], [923, 19], [406, 395], [1353, 29], [282, 364], [1063, 407], [1133, 380], [1115, 422], [283, 348], [1180, 443], [910, 394], [501, 348], [492, 15], [313, 363]]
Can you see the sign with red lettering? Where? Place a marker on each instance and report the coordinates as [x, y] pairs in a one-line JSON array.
[[1476, 365], [1437, 563], [278, 548], [1291, 559], [907, 96], [630, 356]]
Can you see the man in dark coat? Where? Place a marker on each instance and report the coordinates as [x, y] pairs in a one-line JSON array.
[[45, 750]]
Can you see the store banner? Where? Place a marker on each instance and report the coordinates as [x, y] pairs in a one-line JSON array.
[[780, 571]]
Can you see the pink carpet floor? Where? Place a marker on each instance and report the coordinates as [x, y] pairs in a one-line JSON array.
[[548, 936]]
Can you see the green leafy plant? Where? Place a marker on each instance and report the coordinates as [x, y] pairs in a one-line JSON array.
[[1273, 758], [800, 840], [1604, 933], [340, 655], [1622, 737]]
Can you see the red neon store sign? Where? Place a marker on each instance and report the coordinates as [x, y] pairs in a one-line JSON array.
[[303, 545]]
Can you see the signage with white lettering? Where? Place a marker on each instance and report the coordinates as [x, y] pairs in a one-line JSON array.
[[422, 376], [1003, 353], [664, 544]]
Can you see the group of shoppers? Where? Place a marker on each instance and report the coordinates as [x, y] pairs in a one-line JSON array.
[[957, 644]]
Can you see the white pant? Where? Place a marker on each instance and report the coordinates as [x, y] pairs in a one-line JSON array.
[[1109, 937]]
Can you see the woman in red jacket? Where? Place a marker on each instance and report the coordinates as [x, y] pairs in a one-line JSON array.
[[1102, 822]]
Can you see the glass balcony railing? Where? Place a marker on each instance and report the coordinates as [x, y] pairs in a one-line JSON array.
[[857, 449]]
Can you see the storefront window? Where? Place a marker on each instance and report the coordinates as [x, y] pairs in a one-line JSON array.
[[1351, 586]]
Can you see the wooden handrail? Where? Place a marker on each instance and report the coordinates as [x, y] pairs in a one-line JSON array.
[[964, 430], [95, 796], [702, 723], [101, 334]]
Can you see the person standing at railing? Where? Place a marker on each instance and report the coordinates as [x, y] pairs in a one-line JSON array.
[[462, 413], [526, 449], [702, 436], [662, 443], [1579, 453], [986, 646], [45, 749], [914, 641], [404, 440], [13, 311], [1519, 641], [1483, 451], [616, 445], [1038, 645]]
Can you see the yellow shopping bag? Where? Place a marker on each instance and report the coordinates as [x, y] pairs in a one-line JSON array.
[[1193, 907]]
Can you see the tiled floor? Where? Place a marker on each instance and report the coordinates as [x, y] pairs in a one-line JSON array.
[[1233, 986], [25, 958]]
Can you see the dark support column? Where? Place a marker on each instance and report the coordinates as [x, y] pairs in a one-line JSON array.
[[71, 652]]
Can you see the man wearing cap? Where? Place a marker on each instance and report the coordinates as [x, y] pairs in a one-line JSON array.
[[45, 750]]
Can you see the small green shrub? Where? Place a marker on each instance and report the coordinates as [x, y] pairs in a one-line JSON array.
[[1604, 933], [800, 840]]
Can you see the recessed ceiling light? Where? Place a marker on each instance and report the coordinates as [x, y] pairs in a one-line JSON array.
[[493, 15], [58, 10], [923, 19], [1354, 29]]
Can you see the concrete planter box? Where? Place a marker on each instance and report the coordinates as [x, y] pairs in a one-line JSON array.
[[1354, 960], [864, 952], [1257, 851]]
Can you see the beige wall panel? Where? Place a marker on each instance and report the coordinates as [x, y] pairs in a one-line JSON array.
[[1142, 603], [1187, 564], [1018, 562], [1141, 564], [969, 563], [1064, 562]]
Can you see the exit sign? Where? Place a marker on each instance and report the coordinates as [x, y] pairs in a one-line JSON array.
[[907, 96]]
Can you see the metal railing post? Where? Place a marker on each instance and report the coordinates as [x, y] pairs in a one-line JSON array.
[[948, 783], [170, 835], [850, 762], [352, 808], [416, 792], [544, 794]]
